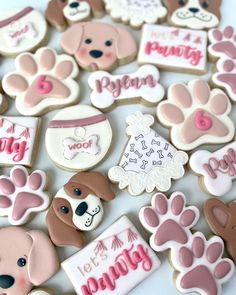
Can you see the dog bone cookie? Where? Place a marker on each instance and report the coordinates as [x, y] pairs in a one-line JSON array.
[[78, 138], [42, 81], [22, 194], [200, 266], [77, 207], [196, 115], [149, 162], [174, 49], [217, 170], [113, 46], [169, 220], [109, 89], [115, 263], [21, 30], [18, 139], [136, 12], [223, 46], [194, 14], [28, 258], [3, 104], [222, 221], [61, 14]]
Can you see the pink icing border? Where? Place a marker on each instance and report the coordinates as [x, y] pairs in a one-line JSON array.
[[15, 17]]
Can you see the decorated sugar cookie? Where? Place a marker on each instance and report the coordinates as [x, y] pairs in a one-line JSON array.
[[174, 49], [28, 259], [3, 104], [22, 194], [78, 138], [108, 89], [21, 30], [196, 115], [61, 14], [136, 12], [223, 46], [217, 170], [18, 140], [149, 162], [114, 263], [42, 81], [77, 208], [194, 14], [43, 292], [113, 46]]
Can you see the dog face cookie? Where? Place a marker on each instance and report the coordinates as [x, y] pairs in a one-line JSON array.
[[174, 49], [116, 262], [77, 207], [109, 89], [60, 13], [196, 115], [149, 162], [78, 138], [18, 137], [113, 45], [28, 259], [194, 14], [136, 12], [217, 170], [22, 194], [42, 82], [21, 30]]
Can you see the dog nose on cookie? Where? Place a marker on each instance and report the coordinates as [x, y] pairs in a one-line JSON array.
[[74, 5], [96, 53], [6, 281], [81, 209], [193, 9]]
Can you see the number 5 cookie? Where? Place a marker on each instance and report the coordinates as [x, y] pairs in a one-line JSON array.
[[42, 81]]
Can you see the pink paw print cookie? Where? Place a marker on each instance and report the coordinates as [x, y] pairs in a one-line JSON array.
[[22, 194], [42, 81], [196, 115], [169, 220], [201, 267]]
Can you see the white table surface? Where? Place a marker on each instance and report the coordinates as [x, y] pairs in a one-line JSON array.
[[161, 281]]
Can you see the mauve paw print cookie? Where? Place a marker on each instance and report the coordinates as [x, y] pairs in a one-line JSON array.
[[21, 30], [136, 12], [196, 115], [42, 82], [22, 194], [113, 46]]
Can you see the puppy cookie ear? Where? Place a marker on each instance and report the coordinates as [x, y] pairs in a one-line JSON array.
[[71, 39], [125, 44], [54, 15], [42, 260]]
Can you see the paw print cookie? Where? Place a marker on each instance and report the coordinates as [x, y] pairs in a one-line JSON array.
[[149, 162], [42, 81], [136, 12], [3, 104], [113, 46], [22, 194], [196, 115], [200, 266], [169, 221], [21, 30], [61, 14]]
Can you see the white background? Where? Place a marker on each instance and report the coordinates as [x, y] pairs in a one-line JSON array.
[[160, 282]]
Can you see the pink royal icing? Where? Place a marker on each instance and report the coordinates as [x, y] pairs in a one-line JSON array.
[[15, 17], [202, 122], [43, 86]]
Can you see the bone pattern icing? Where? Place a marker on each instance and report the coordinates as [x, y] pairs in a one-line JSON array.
[[218, 169], [153, 166], [108, 89], [172, 48]]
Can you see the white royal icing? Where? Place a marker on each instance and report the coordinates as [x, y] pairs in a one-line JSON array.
[[39, 292], [172, 48], [136, 12], [149, 161], [217, 169], [75, 14], [108, 89], [119, 245]]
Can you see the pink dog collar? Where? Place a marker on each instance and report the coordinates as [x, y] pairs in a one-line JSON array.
[[15, 17]]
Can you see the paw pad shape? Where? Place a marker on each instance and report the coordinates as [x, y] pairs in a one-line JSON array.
[[196, 115], [22, 194], [169, 221], [42, 81], [201, 266]]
